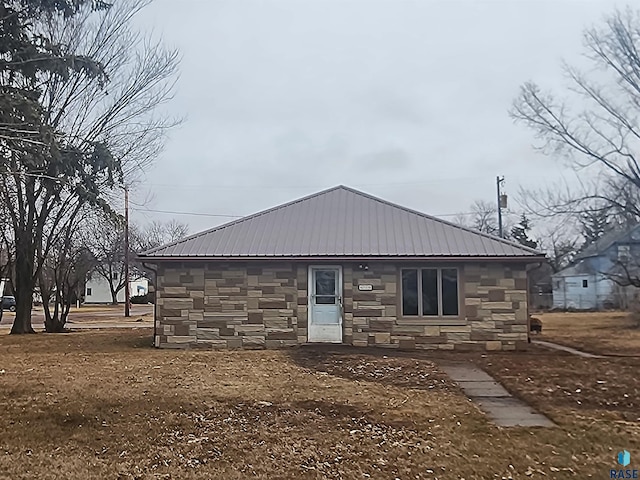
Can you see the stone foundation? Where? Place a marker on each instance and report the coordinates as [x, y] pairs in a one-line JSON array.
[[264, 305]]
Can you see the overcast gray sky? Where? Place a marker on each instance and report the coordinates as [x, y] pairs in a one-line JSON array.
[[406, 100]]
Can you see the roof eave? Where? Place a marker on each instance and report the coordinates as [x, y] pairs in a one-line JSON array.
[[354, 258]]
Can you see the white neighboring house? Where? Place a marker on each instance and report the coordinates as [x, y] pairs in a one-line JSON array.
[[587, 284], [579, 287], [97, 289]]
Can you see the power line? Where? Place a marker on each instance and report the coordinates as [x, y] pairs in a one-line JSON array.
[[201, 214], [295, 187], [186, 213]]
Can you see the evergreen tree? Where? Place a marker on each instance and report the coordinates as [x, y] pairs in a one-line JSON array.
[[594, 223], [520, 233]]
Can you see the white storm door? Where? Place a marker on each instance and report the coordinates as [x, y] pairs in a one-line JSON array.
[[325, 304]]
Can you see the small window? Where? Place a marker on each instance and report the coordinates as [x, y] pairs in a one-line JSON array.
[[585, 283], [89, 292], [430, 292], [409, 292], [623, 252], [114, 276], [450, 292], [325, 287]]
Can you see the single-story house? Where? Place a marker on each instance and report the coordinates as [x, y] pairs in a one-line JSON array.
[[341, 266], [589, 283]]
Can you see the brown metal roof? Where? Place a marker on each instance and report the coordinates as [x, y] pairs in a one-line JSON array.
[[339, 222]]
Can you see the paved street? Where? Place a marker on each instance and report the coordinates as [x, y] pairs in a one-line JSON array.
[[93, 317]]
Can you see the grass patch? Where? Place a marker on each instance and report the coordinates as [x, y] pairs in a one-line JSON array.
[[606, 333], [107, 405]]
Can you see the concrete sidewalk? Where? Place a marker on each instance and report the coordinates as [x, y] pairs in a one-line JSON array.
[[504, 409], [563, 348]]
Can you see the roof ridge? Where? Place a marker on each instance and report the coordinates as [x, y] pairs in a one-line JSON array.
[[242, 219], [431, 217]]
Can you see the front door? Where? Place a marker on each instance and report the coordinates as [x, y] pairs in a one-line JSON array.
[[325, 304]]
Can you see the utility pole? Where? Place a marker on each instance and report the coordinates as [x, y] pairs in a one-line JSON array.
[[502, 203], [127, 293]]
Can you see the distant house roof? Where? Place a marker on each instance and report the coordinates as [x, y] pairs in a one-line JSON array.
[[336, 223], [579, 269], [605, 241]]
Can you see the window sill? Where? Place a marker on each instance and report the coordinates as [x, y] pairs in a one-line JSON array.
[[446, 321]]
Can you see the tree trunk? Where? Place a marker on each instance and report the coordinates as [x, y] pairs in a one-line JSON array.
[[47, 312], [55, 324], [114, 296], [25, 284], [22, 322]]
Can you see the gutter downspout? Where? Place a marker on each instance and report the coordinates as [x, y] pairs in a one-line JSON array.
[[154, 269]]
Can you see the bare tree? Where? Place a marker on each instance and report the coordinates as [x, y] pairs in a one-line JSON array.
[[560, 247], [158, 233], [105, 121], [105, 239], [625, 273], [594, 126], [124, 110], [592, 207], [483, 217], [62, 278]]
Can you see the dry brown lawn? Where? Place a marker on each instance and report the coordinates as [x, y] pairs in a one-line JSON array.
[[607, 333], [107, 405], [120, 319]]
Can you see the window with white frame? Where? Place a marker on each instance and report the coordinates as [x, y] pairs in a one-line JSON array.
[[429, 292], [623, 252]]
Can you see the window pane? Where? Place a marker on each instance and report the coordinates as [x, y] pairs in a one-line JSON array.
[[409, 292], [325, 282], [325, 300], [449, 291], [430, 291]]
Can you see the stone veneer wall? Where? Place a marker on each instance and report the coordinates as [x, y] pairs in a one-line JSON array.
[[494, 314], [228, 305], [496, 305], [233, 305]]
